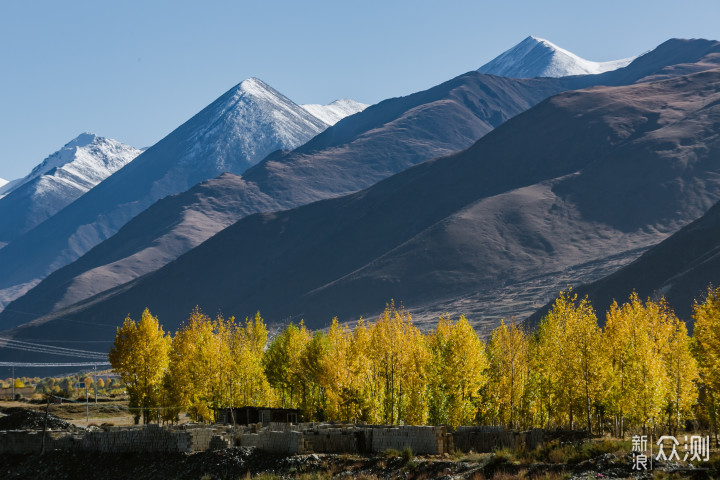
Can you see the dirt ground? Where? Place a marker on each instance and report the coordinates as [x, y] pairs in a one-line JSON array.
[[114, 412]]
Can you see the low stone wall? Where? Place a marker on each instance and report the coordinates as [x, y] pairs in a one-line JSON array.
[[148, 439], [487, 439], [423, 440], [289, 442], [337, 440], [287, 439], [151, 438], [30, 441]]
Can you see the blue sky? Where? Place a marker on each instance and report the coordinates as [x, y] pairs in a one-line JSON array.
[[134, 71]]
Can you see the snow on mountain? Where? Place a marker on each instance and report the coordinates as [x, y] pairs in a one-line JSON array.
[[234, 132], [3, 186], [335, 111], [8, 186], [58, 180], [84, 161], [537, 57]]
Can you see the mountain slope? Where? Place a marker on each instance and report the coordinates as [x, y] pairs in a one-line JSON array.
[[234, 132], [335, 111], [60, 179], [537, 57], [679, 268], [360, 151], [582, 177], [357, 152]]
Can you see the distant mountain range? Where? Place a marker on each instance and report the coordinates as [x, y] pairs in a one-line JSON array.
[[234, 132], [58, 180], [356, 153], [583, 177], [536, 57], [573, 188], [335, 111]]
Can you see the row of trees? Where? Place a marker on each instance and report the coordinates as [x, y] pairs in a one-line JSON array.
[[66, 386], [640, 370]]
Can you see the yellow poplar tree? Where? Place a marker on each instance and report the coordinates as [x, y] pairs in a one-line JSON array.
[[312, 377], [636, 334], [507, 353], [360, 394], [248, 384], [282, 363], [140, 355], [706, 333], [682, 371], [399, 355], [338, 380], [570, 346], [197, 365], [456, 372]]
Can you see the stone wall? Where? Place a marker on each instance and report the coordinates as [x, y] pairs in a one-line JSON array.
[[276, 442], [278, 438], [338, 440], [487, 439], [423, 440], [27, 441]]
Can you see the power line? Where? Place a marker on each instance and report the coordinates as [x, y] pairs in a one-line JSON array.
[[53, 352], [46, 346], [49, 349]]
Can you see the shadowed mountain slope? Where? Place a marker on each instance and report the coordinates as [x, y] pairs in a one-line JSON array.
[[358, 152], [576, 179], [384, 139], [680, 268]]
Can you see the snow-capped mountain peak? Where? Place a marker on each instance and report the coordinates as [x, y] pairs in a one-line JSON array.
[[58, 180], [3, 182], [537, 57], [85, 161], [231, 134], [335, 111]]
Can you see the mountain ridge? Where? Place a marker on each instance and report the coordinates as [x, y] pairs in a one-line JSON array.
[[58, 180], [512, 206], [536, 57], [327, 154], [394, 134], [233, 132]]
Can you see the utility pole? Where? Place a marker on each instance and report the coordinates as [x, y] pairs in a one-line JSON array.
[[87, 406], [13, 383], [47, 408], [95, 382]]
